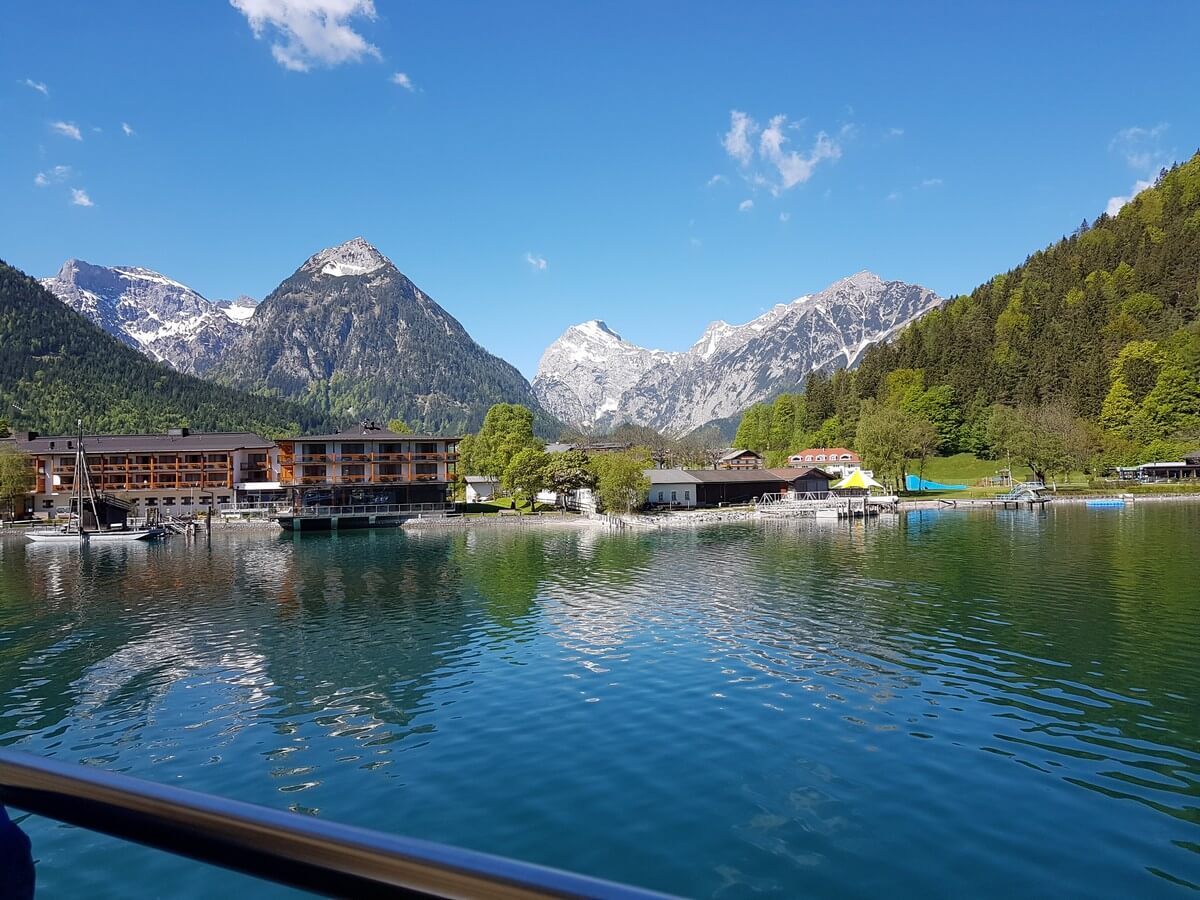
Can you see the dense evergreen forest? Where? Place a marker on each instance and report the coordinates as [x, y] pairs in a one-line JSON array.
[[1092, 345], [57, 367]]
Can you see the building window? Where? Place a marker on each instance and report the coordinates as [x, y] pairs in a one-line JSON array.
[[152, 501], [660, 496], [674, 496], [186, 501], [222, 499], [687, 496], [168, 501], [47, 504]]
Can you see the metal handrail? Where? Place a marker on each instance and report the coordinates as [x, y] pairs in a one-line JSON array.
[[285, 847], [366, 509]]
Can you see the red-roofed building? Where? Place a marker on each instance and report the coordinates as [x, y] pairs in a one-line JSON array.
[[835, 460]]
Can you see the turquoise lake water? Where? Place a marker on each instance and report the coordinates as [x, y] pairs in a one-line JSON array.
[[944, 704]]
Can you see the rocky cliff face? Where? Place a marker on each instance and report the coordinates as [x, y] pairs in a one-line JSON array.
[[593, 379], [584, 374], [350, 333], [166, 320]]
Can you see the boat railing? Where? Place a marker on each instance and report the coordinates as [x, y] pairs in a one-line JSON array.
[[289, 848], [368, 509]]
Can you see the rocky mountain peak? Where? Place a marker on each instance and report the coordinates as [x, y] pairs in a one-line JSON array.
[[162, 317], [355, 257], [594, 379], [596, 329]]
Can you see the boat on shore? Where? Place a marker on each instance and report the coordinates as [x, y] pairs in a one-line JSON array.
[[93, 517]]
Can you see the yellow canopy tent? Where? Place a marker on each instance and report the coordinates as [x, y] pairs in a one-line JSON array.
[[857, 479]]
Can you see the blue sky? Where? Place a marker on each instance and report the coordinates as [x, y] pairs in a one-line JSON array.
[[657, 165]]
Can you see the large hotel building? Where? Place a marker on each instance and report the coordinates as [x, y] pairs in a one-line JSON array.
[[181, 472]]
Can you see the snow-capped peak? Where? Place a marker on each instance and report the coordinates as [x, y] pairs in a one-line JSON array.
[[354, 257], [162, 317], [596, 330], [592, 378]]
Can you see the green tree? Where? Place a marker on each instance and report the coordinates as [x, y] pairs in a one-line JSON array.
[[883, 439], [569, 471], [754, 431], [526, 474], [1049, 439], [507, 430], [399, 426], [621, 482], [16, 477]]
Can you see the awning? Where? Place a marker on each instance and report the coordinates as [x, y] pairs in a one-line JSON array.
[[857, 479]]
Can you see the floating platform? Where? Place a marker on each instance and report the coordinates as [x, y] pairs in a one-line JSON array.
[[342, 518]]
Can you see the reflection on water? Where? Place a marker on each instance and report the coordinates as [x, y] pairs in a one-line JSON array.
[[944, 703]]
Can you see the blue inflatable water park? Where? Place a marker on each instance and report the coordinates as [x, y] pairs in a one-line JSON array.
[[914, 483]]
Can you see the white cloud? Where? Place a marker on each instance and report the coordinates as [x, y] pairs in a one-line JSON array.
[[931, 182], [1115, 203], [893, 196], [1142, 151], [39, 86], [696, 242], [67, 129], [79, 197], [52, 176], [737, 140], [794, 168], [895, 132], [785, 216], [128, 129], [404, 81], [1140, 147], [715, 180], [307, 33], [746, 206], [783, 168], [537, 263]]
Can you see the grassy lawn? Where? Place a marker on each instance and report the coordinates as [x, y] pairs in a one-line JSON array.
[[966, 468]]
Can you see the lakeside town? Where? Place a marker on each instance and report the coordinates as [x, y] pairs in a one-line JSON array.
[[372, 476]]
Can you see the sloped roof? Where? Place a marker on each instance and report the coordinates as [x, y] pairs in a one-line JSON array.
[[198, 442], [671, 476], [734, 476], [826, 451], [359, 433], [791, 474], [735, 453]]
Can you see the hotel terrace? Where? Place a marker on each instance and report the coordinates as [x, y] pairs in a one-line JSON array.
[[179, 472]]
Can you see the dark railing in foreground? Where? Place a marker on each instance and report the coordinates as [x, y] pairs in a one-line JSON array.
[[285, 847]]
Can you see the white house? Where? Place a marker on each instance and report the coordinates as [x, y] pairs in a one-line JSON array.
[[671, 487], [481, 488]]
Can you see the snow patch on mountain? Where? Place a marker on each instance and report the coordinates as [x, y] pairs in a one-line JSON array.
[[162, 317], [239, 310], [354, 257], [592, 378]]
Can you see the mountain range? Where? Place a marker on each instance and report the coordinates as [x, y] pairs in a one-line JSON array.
[[593, 379], [347, 333], [352, 337], [57, 368]]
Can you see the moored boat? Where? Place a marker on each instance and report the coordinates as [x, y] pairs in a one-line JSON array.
[[94, 517]]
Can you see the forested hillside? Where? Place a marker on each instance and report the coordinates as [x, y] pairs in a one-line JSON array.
[[1095, 340], [57, 367]]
